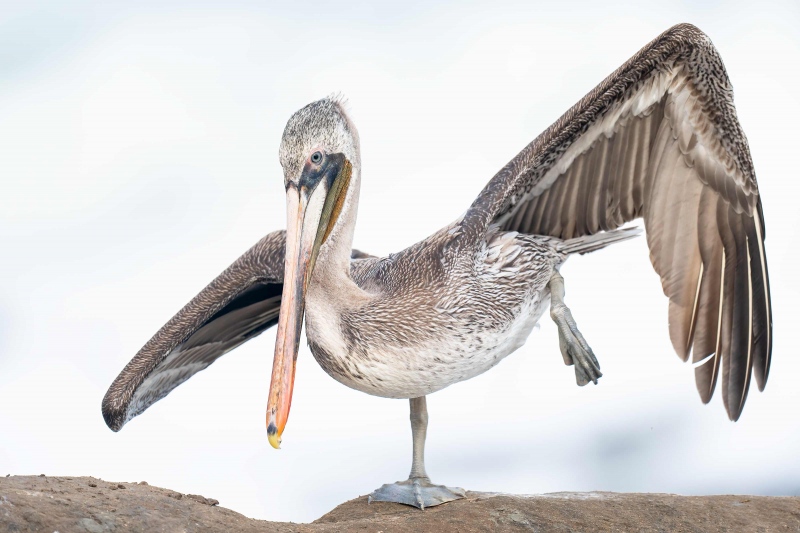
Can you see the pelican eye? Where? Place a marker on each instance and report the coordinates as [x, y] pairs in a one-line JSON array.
[[316, 157]]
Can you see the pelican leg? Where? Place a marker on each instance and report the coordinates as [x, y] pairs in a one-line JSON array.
[[417, 490], [574, 348]]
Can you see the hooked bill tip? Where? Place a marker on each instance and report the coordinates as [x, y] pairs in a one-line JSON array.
[[273, 437]]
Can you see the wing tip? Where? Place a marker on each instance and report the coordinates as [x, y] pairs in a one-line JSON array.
[[705, 395], [734, 414], [114, 416]]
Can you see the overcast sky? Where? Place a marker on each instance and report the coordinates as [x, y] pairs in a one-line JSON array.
[[138, 158]]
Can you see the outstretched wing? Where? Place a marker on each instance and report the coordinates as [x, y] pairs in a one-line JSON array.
[[659, 139], [241, 303], [238, 305]]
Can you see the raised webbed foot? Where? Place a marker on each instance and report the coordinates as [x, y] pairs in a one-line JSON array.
[[418, 492], [574, 348]]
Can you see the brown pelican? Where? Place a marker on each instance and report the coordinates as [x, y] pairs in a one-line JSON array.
[[657, 139]]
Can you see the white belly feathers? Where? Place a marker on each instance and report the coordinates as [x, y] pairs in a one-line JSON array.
[[396, 371]]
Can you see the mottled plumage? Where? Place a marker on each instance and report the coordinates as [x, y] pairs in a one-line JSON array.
[[657, 139]]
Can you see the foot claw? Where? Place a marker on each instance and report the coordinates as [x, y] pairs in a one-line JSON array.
[[417, 492]]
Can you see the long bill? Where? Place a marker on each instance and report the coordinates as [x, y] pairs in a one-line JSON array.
[[311, 213]]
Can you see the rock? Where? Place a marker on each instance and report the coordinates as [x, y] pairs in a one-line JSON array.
[[202, 499], [32, 503]]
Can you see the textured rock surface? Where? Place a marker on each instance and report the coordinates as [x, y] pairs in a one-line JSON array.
[[82, 504]]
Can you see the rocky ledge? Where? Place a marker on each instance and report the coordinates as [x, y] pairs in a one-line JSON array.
[[86, 504]]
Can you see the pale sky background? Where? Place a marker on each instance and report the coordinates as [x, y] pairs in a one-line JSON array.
[[138, 158]]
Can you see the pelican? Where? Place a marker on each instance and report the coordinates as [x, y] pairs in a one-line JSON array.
[[658, 139]]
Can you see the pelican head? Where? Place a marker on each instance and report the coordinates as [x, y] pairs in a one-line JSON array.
[[319, 150]]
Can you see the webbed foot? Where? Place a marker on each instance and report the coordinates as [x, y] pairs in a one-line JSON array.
[[418, 492], [574, 347]]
